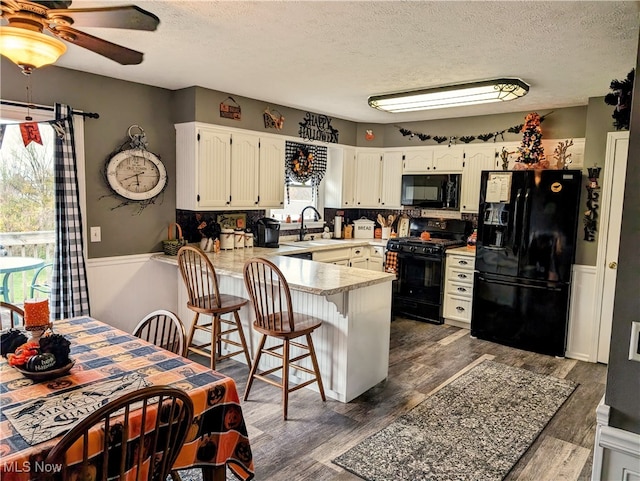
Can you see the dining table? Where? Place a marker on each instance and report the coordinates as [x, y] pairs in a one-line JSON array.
[[108, 363], [11, 264]]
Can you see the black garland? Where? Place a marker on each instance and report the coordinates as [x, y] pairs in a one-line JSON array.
[[516, 129]]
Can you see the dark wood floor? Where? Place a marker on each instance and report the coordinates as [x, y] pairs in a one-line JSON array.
[[422, 357]]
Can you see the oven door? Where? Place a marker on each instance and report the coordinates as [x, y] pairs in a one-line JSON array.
[[418, 294]]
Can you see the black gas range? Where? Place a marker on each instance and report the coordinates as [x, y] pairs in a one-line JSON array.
[[418, 290]]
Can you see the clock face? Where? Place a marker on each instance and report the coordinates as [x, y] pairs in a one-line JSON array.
[[136, 174]]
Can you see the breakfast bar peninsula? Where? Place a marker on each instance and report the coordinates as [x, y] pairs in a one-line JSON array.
[[352, 345]]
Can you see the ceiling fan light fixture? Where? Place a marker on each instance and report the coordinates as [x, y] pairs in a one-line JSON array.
[[497, 90], [29, 49]]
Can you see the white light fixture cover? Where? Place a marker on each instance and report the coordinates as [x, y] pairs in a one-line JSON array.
[[498, 90], [29, 49]]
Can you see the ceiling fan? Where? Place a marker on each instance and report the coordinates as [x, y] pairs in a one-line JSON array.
[[23, 39]]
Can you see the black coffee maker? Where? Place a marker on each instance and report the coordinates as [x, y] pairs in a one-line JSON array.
[[268, 232]]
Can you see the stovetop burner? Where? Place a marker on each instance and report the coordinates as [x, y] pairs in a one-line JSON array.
[[433, 241], [417, 246]]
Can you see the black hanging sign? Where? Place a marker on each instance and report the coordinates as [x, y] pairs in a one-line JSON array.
[[317, 127], [229, 111]]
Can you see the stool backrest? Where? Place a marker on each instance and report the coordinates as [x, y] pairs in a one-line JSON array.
[[199, 277], [270, 296]]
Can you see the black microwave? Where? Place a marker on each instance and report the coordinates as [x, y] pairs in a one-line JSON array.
[[440, 191]]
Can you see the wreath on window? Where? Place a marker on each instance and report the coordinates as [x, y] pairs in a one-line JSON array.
[[301, 164]]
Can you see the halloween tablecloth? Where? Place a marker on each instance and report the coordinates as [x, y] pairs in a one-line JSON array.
[[106, 357]]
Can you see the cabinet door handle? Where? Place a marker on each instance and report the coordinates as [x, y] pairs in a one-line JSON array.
[[459, 309]]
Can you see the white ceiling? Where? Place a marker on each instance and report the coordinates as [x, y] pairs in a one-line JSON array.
[[328, 57]]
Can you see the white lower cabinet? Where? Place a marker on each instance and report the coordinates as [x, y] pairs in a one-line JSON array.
[[361, 257], [458, 289]]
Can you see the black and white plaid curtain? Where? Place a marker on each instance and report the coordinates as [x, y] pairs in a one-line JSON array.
[[319, 168], [69, 292]]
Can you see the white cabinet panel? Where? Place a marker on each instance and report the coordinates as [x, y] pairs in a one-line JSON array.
[[476, 160], [339, 182], [418, 161], [368, 176], [458, 289], [271, 173], [447, 159], [244, 170], [391, 180], [213, 168]]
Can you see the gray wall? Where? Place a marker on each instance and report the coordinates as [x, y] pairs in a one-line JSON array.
[[623, 377], [127, 230], [120, 104]]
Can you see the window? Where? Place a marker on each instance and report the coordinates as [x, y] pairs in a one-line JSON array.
[[27, 205]]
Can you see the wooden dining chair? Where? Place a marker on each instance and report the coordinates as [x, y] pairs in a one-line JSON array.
[[164, 329], [271, 299], [204, 297], [16, 315], [85, 452]]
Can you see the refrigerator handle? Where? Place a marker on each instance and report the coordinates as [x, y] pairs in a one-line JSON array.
[[525, 223], [516, 233], [517, 284]]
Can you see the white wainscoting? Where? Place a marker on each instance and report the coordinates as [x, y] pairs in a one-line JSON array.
[[616, 453], [123, 289], [582, 317]]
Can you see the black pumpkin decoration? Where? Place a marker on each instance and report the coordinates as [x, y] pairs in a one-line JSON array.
[[41, 362], [11, 340]]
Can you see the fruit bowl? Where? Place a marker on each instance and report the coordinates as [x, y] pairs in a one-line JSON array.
[[46, 375]]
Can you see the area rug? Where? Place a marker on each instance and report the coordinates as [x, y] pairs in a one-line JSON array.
[[475, 428]]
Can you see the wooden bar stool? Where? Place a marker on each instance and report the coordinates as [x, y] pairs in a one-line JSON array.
[[271, 299], [204, 298]]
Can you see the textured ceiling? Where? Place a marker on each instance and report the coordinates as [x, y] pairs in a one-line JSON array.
[[328, 57]]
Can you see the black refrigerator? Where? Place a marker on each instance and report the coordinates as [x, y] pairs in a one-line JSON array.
[[527, 227]]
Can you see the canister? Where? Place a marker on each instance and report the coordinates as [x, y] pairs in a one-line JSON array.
[[226, 239], [363, 229], [248, 239], [239, 239]]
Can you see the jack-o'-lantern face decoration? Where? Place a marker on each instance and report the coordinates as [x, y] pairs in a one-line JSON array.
[[207, 449], [216, 395], [369, 135], [243, 452], [232, 418]]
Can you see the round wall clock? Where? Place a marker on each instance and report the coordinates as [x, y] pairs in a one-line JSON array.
[[136, 174]]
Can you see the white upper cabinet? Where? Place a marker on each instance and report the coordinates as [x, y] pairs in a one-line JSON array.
[[218, 168], [271, 173], [447, 159], [433, 160], [244, 170], [391, 180], [339, 181], [418, 161], [368, 178], [477, 159]]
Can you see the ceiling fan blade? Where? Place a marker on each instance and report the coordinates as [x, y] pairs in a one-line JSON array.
[[117, 53], [129, 17]]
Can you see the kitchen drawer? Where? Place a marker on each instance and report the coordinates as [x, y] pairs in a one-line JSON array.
[[459, 275], [457, 308], [376, 251], [358, 252], [460, 262], [332, 255], [460, 289]]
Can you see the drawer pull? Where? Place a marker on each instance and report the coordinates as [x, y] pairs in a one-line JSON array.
[[462, 276], [459, 309], [461, 289], [463, 263]]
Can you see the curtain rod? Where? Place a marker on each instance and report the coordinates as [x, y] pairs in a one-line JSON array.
[[91, 115]]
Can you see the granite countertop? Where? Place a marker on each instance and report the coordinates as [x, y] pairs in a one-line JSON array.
[[301, 274]]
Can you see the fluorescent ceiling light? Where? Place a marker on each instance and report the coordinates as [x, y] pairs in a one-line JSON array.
[[29, 49], [498, 90]]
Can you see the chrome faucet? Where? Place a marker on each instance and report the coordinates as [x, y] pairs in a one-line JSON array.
[[317, 216]]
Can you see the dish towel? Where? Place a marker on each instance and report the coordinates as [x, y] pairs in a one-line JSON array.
[[391, 263]]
